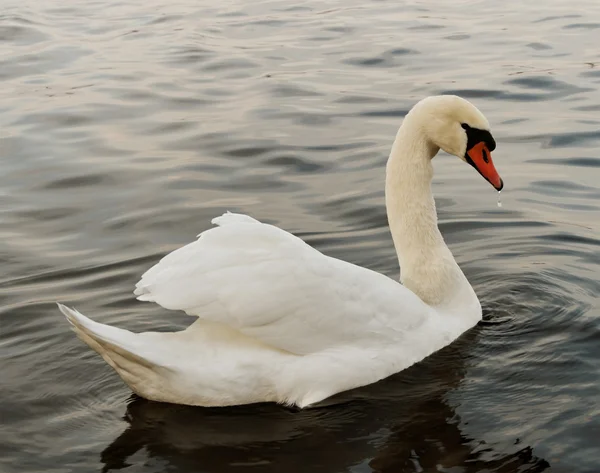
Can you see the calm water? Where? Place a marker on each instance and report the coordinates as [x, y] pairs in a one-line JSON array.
[[126, 126]]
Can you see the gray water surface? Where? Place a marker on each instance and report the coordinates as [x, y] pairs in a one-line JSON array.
[[126, 126]]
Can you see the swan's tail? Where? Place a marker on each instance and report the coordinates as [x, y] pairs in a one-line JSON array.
[[127, 352]]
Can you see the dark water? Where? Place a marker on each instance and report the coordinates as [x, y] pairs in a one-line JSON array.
[[126, 126]]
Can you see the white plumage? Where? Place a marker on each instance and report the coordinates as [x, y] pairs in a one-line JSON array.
[[279, 321], [270, 285]]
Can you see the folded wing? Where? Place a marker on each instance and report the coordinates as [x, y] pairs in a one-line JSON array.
[[272, 286]]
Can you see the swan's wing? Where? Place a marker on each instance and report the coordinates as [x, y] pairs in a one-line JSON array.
[[272, 286]]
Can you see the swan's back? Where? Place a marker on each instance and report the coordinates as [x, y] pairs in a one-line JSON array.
[[270, 285]]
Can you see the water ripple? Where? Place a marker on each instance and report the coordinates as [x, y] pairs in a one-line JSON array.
[[127, 126]]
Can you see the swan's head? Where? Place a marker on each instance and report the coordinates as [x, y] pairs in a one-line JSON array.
[[459, 128]]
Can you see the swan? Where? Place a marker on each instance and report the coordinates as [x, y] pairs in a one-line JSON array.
[[278, 321]]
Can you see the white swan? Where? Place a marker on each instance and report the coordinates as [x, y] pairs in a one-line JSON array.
[[279, 321]]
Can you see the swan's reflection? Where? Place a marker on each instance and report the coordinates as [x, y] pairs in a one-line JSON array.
[[401, 424]]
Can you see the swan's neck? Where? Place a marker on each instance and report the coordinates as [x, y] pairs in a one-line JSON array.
[[427, 266]]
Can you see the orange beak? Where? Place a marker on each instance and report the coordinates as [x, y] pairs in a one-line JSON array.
[[480, 158]]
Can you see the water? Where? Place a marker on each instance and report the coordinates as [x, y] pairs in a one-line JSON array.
[[127, 126]]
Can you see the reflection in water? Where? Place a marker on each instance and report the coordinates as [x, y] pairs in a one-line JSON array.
[[404, 423]]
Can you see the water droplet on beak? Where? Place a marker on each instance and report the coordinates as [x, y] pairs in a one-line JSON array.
[[499, 201]]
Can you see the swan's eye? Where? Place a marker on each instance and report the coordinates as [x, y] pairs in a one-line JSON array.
[[465, 126]]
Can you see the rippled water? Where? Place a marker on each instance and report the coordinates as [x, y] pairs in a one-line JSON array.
[[126, 126]]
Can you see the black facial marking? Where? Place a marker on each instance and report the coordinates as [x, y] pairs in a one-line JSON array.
[[475, 135]]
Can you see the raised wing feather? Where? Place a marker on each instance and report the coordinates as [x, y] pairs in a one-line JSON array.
[[272, 286]]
